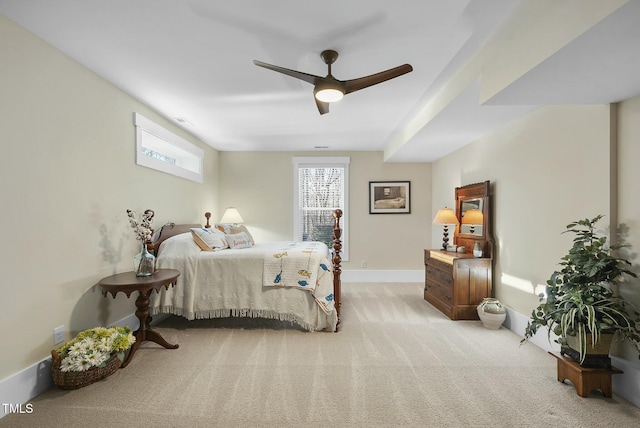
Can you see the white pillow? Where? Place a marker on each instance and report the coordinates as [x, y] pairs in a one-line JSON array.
[[242, 228], [238, 240], [230, 229], [223, 227], [209, 239]]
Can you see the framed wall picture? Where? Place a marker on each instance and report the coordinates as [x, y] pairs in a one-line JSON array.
[[389, 197]]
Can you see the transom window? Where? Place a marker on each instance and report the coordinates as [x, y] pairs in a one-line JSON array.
[[160, 149]]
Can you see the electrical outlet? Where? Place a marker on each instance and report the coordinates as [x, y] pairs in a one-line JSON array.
[[363, 263], [58, 334]]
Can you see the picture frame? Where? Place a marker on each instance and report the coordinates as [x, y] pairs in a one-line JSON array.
[[389, 197]]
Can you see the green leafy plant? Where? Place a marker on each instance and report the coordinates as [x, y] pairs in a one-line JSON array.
[[579, 300]]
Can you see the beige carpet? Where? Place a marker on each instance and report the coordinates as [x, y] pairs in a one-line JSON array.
[[396, 362]]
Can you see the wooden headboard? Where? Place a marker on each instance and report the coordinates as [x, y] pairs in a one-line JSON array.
[[167, 231]]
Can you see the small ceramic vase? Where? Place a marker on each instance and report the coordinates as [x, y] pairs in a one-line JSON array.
[[477, 250], [491, 313]]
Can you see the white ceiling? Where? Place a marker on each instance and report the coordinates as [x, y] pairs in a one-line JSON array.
[[192, 59]]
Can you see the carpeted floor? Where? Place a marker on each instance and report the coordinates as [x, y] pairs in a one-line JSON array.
[[396, 362]]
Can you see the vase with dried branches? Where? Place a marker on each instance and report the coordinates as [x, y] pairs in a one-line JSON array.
[[144, 262]]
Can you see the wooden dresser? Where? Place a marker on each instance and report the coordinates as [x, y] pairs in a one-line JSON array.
[[456, 283]]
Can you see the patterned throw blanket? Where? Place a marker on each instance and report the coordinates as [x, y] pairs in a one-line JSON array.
[[304, 265]]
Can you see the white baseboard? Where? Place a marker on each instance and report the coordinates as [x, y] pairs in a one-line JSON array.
[[517, 323], [371, 275], [626, 385], [18, 389]]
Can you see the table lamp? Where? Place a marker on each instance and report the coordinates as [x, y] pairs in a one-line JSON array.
[[445, 216], [231, 216]]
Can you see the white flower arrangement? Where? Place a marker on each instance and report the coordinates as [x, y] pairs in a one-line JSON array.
[[143, 227], [94, 347]]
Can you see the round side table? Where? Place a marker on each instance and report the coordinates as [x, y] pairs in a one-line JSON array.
[[127, 283]]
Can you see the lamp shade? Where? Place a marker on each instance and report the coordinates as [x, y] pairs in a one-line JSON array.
[[472, 217], [231, 216], [445, 216]]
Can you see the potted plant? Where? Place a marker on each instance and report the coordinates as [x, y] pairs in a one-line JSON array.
[[580, 306]]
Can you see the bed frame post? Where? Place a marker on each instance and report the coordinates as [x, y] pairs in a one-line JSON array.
[[337, 260]]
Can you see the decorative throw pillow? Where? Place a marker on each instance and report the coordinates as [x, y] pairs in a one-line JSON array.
[[242, 228], [238, 240], [223, 227], [209, 239]]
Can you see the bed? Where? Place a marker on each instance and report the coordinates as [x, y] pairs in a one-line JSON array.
[[297, 282]]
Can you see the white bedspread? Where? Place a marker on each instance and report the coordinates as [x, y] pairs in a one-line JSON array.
[[230, 283]]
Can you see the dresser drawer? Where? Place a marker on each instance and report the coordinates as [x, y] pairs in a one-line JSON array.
[[440, 291], [439, 264], [437, 275]]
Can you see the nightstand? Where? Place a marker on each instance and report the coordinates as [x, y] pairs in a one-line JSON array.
[[127, 283]]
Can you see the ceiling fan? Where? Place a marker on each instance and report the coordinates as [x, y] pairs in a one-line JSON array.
[[328, 89]]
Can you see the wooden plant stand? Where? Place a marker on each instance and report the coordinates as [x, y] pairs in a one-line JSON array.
[[585, 379]]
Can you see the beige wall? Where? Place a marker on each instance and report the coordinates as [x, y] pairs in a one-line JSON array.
[[260, 185], [68, 177], [628, 200], [546, 170]]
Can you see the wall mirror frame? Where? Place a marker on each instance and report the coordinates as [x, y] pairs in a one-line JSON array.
[[474, 197]]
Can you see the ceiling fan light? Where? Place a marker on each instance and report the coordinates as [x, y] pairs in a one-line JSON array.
[[329, 95]]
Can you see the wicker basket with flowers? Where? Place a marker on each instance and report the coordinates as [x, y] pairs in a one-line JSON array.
[[91, 356]]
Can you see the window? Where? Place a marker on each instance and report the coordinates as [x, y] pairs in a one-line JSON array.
[[320, 187], [160, 149]]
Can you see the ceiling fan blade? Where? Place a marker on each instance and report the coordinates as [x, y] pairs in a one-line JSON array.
[[323, 107], [364, 82], [310, 78]]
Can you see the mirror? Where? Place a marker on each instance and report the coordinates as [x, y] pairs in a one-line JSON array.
[[472, 211], [471, 216]]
